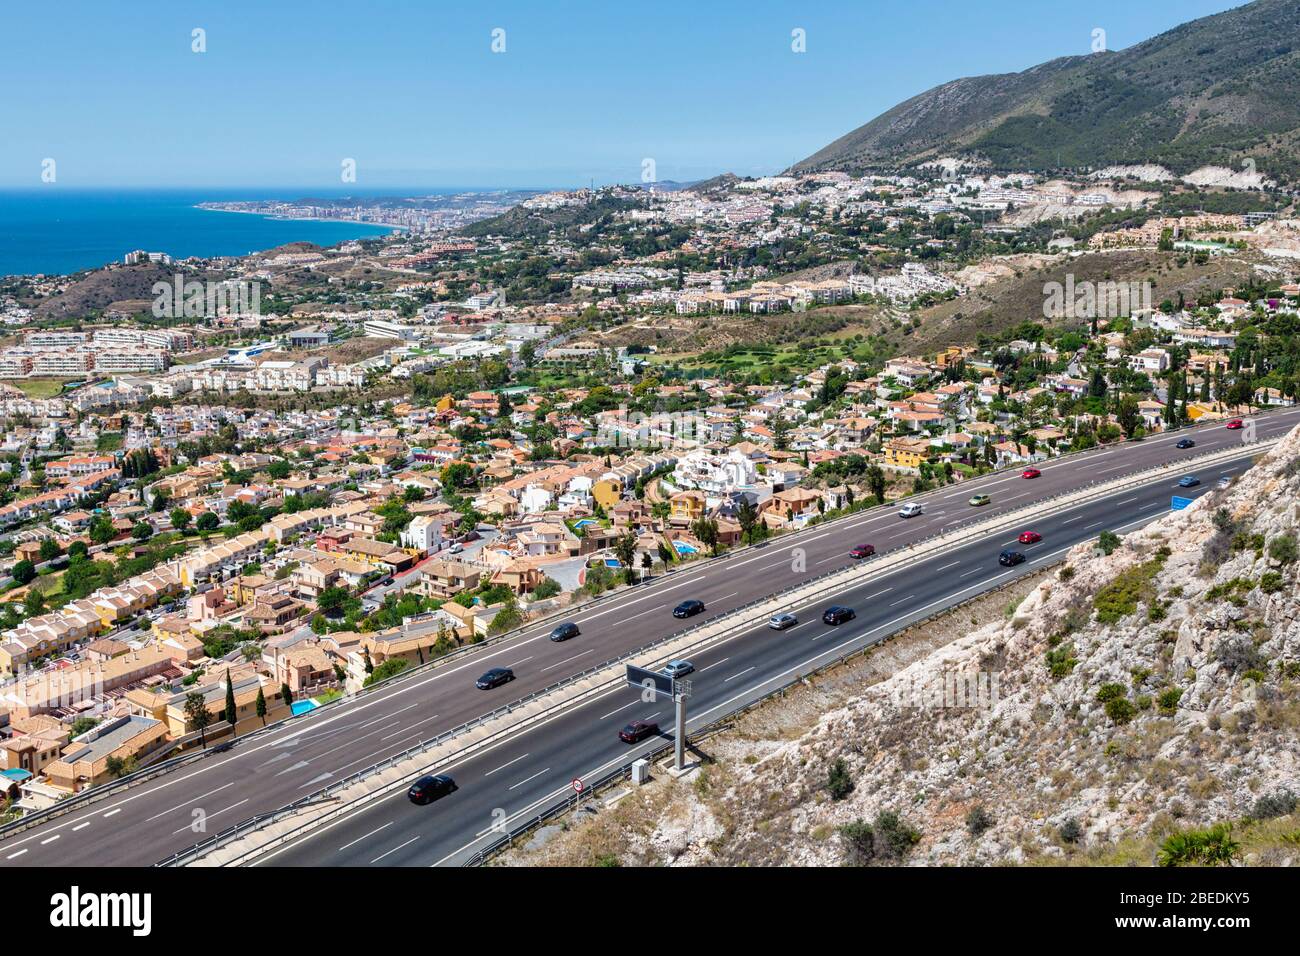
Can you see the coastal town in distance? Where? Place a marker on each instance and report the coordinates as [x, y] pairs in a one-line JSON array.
[[928, 501]]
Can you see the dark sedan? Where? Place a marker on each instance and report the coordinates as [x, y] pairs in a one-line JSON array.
[[430, 788], [1185, 443], [688, 609], [495, 678], [638, 731], [1009, 559], [563, 632], [838, 614]]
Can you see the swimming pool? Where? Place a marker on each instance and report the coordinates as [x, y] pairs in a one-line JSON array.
[[302, 706], [684, 548]]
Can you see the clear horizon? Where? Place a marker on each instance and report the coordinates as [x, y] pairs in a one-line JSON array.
[[282, 95]]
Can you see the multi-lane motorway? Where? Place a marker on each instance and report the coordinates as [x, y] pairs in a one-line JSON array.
[[509, 782]]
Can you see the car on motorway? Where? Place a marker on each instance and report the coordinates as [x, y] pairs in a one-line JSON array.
[[562, 632], [431, 787], [1185, 443], [979, 501], [909, 510], [1235, 424], [495, 678], [1030, 473], [638, 731], [1224, 481], [1188, 481], [1030, 537], [838, 614], [863, 551], [1009, 559], [676, 669], [688, 609], [779, 622]]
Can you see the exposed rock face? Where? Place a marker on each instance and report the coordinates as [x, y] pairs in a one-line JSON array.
[[1198, 647]]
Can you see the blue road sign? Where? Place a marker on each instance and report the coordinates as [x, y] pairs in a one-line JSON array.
[[1178, 504]]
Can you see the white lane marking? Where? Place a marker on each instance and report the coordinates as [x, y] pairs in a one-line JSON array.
[[947, 566], [215, 813], [1095, 524], [406, 731], [364, 836], [533, 777], [624, 707], [901, 600], [714, 664], [1074, 519], [188, 802], [524, 661], [51, 839], [81, 826], [113, 811], [12, 855], [394, 849], [741, 674], [565, 661], [970, 572], [504, 765], [877, 594]]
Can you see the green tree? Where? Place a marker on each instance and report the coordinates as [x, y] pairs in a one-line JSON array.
[[196, 714], [231, 713], [142, 531], [208, 521], [24, 571], [50, 549], [181, 519], [286, 695]]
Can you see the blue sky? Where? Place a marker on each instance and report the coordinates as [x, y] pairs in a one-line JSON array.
[[412, 91]]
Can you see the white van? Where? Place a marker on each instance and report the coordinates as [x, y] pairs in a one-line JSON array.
[[909, 510]]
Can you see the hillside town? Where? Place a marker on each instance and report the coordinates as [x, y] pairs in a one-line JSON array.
[[214, 517]]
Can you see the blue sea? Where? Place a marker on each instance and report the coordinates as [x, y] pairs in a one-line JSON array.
[[55, 230]]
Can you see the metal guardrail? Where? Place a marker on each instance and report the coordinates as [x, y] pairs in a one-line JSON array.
[[571, 801], [204, 847]]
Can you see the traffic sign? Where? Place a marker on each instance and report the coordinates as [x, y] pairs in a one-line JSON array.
[[577, 785], [1178, 504], [661, 684]]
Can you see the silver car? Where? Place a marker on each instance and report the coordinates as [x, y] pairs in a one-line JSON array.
[[676, 669], [909, 510], [780, 622]]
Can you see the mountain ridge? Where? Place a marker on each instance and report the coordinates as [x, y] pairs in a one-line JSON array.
[[1216, 90]]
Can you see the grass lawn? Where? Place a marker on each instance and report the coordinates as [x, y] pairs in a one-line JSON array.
[[41, 387]]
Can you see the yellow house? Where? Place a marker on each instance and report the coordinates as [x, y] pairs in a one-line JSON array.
[[608, 491], [686, 506], [906, 452], [445, 404]]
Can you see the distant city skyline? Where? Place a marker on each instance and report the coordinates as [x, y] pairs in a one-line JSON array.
[[413, 93]]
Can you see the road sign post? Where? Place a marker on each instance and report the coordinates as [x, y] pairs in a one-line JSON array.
[[657, 685]]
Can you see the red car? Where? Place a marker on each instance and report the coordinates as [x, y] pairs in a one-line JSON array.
[[1030, 537], [1235, 424], [863, 551], [638, 731], [1030, 473]]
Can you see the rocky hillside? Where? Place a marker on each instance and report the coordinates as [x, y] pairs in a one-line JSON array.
[[1211, 91], [1137, 705]]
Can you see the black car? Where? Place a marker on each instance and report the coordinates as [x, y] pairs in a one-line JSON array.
[[563, 632], [688, 609], [495, 678], [638, 731], [838, 614], [430, 788], [1010, 558], [1185, 443]]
